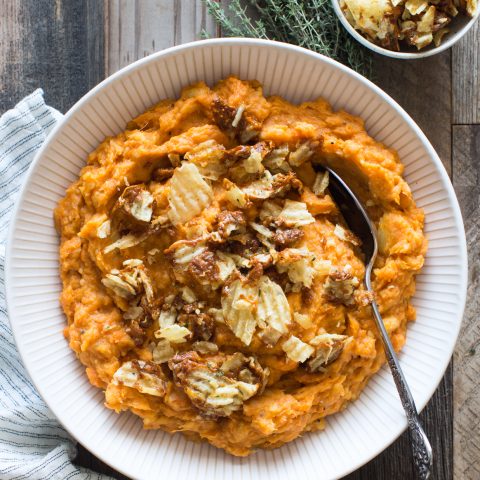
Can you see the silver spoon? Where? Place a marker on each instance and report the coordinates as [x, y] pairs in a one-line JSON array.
[[358, 221]]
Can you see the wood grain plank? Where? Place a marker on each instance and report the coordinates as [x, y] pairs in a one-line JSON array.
[[466, 78], [137, 28], [423, 88], [466, 180], [54, 45], [191, 19]]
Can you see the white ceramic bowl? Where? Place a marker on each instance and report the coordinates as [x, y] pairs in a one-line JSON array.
[[458, 28], [352, 437]]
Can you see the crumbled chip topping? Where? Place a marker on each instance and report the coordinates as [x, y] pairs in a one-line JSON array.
[[173, 333], [299, 265], [340, 285], [301, 154], [127, 241], [295, 214], [234, 260], [189, 194], [273, 309], [394, 24], [297, 350], [239, 305], [218, 389], [321, 183], [207, 157], [328, 348], [303, 320], [146, 377], [134, 207], [162, 351], [346, 235], [103, 231]]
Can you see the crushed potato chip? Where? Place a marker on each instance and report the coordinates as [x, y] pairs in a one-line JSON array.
[[189, 194], [340, 285], [226, 266], [321, 183], [167, 318], [238, 116], [186, 252], [299, 263], [371, 16], [471, 7], [273, 308], [303, 320], [297, 350], [253, 164], [415, 7], [133, 262], [217, 395], [205, 347], [295, 214], [127, 241], [396, 23], [328, 347], [264, 231], [142, 207], [234, 195], [103, 231], [270, 211], [132, 374], [118, 286], [276, 160], [239, 305], [174, 333], [260, 189], [302, 154], [162, 351], [346, 235], [207, 157]]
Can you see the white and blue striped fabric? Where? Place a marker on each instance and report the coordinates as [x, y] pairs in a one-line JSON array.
[[33, 446]]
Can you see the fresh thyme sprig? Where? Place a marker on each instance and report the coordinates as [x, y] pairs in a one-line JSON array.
[[308, 23]]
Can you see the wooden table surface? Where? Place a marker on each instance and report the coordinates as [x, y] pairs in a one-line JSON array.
[[68, 46]]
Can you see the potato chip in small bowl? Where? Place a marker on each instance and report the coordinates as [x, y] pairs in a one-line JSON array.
[[407, 28]]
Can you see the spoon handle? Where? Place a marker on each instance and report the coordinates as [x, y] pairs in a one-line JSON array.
[[422, 451]]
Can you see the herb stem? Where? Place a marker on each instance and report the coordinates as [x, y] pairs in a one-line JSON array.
[[312, 24]]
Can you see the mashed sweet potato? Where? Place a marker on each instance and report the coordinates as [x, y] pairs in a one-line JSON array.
[[209, 282]]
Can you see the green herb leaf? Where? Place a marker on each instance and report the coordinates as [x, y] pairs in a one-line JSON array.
[[311, 24]]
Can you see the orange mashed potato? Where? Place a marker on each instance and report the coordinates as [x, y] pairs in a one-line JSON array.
[[210, 283]]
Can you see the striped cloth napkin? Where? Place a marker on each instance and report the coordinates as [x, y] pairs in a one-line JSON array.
[[33, 446]]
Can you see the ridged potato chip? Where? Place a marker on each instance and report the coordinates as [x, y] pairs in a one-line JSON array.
[[162, 351], [239, 307], [208, 158], [189, 194], [174, 333], [303, 320], [297, 350], [321, 183], [299, 263], [273, 308], [295, 214], [396, 23], [132, 374]]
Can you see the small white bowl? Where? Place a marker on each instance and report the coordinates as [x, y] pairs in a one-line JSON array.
[[458, 28]]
